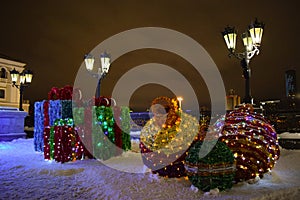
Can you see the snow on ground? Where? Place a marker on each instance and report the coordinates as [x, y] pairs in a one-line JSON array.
[[24, 174]]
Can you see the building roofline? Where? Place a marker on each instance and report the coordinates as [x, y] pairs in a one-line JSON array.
[[4, 59]]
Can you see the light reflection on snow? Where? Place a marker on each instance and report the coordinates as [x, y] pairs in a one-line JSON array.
[[5, 145]]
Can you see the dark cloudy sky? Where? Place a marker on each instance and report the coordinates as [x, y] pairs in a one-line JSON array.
[[53, 36]]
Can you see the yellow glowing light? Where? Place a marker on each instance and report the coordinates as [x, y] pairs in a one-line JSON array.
[[180, 99]]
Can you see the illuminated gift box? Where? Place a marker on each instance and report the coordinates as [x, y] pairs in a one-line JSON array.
[[64, 142]]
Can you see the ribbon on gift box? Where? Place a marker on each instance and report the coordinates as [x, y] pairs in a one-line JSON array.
[[66, 92], [54, 93], [47, 149]]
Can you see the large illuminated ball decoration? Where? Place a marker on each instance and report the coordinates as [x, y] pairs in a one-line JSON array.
[[252, 139], [215, 170], [166, 138]]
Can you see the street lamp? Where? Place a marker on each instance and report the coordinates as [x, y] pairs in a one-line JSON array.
[[25, 80], [180, 99], [251, 40], [102, 69]]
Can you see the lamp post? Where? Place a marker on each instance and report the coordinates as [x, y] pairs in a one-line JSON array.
[[25, 80], [251, 40], [102, 69]]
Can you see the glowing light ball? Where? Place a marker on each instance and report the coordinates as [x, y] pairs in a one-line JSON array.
[[252, 139], [166, 137], [215, 170]]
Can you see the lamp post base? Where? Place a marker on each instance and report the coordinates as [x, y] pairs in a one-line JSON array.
[[8, 117]]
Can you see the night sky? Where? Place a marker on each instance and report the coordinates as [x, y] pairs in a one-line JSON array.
[[52, 37]]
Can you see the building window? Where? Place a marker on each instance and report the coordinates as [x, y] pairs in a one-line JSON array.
[[3, 73], [2, 94]]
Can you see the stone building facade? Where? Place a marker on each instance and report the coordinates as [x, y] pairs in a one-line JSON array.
[[9, 95]]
